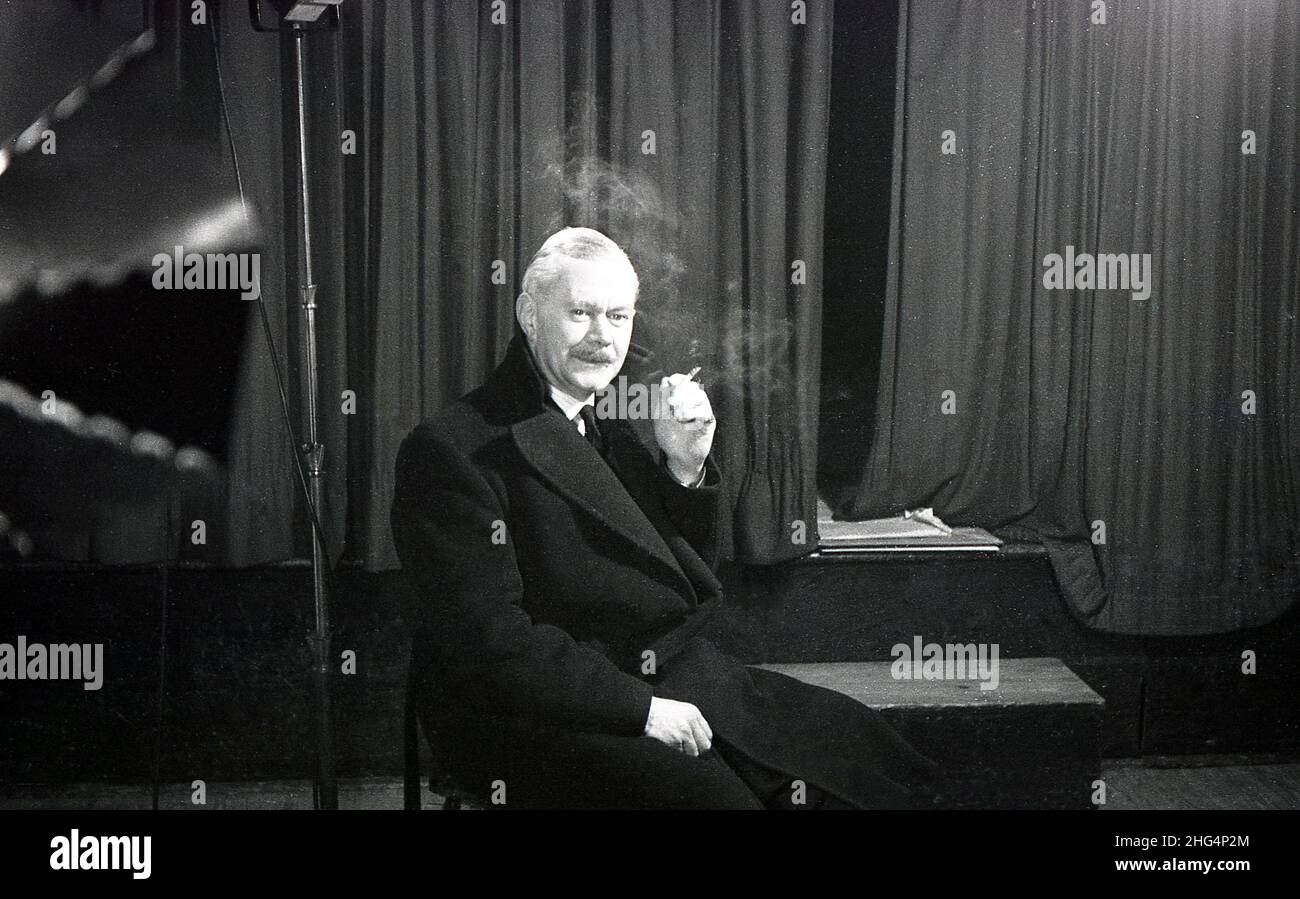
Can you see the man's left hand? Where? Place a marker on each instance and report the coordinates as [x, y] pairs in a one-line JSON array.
[[684, 426]]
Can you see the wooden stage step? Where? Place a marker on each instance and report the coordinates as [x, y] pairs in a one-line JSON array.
[[1033, 742]]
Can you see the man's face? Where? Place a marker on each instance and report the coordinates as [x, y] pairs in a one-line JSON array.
[[580, 327]]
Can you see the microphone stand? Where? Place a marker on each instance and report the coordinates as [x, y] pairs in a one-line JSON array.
[[314, 456], [310, 464]]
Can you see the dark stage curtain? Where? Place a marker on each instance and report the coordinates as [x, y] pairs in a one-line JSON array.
[[693, 133], [1173, 423]]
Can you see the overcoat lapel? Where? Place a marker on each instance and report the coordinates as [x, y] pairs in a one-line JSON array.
[[569, 464], [637, 469], [555, 449]]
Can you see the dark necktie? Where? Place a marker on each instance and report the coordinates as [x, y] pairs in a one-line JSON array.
[[588, 415]]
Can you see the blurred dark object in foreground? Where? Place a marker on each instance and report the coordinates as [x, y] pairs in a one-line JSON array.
[[47, 45], [109, 387]]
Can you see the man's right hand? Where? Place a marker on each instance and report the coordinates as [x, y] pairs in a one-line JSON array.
[[679, 725]]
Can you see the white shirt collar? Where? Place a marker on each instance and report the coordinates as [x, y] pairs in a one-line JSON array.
[[568, 404]]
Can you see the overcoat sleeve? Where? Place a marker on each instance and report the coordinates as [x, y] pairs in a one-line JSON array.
[[468, 594], [694, 510]]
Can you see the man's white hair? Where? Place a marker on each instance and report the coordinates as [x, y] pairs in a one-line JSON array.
[[570, 243]]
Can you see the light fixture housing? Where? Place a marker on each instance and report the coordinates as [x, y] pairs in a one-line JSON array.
[[304, 14]]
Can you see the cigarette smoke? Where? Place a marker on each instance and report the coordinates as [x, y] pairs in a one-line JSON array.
[[689, 312]]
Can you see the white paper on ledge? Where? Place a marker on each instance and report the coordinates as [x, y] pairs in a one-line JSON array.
[[897, 531]]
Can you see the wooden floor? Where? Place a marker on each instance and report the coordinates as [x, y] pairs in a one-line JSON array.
[[1171, 784], [1240, 783], [360, 793]]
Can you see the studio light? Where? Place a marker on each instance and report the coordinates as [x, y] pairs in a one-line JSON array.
[[298, 13]]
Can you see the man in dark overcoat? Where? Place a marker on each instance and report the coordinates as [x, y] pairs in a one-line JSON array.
[[562, 574]]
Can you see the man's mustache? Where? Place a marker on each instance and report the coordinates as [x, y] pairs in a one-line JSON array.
[[594, 358]]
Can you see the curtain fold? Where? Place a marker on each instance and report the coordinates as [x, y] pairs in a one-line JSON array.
[[693, 133], [1151, 443]]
